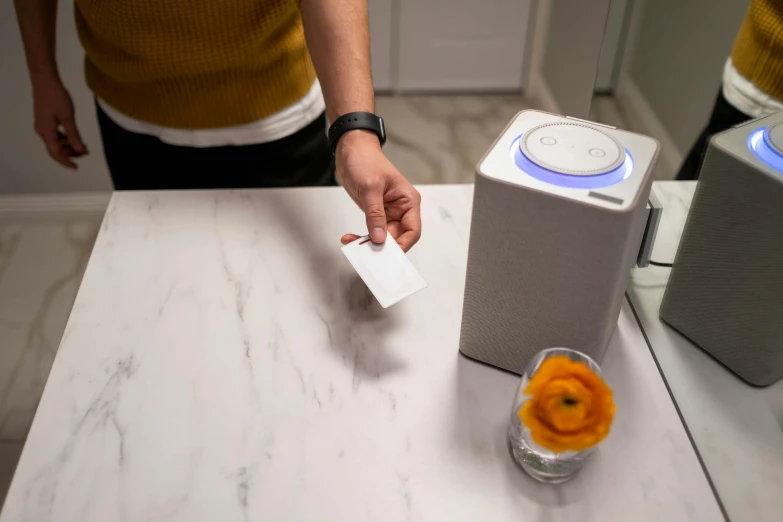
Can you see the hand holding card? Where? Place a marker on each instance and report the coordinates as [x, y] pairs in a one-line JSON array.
[[385, 269], [389, 202]]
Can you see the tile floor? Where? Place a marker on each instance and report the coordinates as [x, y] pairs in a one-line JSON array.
[[439, 139], [41, 265], [432, 139]]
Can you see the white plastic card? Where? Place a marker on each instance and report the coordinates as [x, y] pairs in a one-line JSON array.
[[385, 270]]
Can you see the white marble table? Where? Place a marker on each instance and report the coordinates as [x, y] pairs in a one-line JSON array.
[[737, 428], [223, 362]]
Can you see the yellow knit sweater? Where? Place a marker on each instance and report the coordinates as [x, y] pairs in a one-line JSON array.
[[758, 50], [195, 64]]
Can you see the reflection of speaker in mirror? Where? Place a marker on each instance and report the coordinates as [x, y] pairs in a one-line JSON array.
[[724, 291]]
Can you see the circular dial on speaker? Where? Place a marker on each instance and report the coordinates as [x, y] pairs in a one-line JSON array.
[[774, 137], [572, 148]]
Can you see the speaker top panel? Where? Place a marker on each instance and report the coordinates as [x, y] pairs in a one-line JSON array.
[[571, 158], [773, 135], [758, 142], [572, 148]]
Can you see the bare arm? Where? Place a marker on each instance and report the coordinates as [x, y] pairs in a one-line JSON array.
[[37, 20], [53, 109], [338, 38], [337, 33]]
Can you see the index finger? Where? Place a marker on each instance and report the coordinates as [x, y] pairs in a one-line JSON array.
[[411, 229], [348, 238]]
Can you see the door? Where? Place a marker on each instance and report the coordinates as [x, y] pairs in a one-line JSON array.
[[462, 45]]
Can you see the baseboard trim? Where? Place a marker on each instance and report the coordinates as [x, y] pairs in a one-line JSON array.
[[66, 206], [642, 119]]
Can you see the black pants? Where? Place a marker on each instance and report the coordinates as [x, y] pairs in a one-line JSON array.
[[143, 162], [724, 116]]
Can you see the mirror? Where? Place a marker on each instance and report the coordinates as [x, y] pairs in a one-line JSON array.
[[661, 69], [682, 72]]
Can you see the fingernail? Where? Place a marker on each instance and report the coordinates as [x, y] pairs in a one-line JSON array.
[[377, 235]]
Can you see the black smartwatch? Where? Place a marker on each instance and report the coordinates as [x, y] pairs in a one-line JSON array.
[[356, 120]]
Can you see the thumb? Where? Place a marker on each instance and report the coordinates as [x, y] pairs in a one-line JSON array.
[[72, 133], [372, 204]]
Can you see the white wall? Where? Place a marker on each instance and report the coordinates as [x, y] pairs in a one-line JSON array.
[[679, 57], [24, 165]]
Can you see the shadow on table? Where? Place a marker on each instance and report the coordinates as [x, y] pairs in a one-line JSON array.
[[356, 323]]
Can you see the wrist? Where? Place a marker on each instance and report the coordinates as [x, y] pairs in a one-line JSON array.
[[44, 81], [357, 139]]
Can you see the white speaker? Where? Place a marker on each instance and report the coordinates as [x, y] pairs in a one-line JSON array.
[[559, 210], [725, 292]]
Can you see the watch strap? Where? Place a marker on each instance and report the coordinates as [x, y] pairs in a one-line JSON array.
[[356, 120]]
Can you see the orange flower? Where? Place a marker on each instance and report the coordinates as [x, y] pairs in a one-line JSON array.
[[570, 406]]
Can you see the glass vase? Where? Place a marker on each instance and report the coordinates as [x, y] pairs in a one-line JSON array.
[[540, 463]]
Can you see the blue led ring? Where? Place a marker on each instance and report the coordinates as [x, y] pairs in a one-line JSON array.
[[567, 180], [757, 142]]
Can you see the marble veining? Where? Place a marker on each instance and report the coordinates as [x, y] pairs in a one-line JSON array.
[[9, 240], [737, 428], [224, 362]]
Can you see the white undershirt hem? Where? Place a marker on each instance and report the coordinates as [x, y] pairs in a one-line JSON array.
[[283, 123], [745, 96]]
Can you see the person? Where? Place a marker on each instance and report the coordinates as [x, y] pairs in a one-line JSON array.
[[752, 84], [224, 94]]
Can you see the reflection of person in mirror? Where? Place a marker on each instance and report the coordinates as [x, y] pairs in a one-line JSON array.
[[752, 78], [193, 94]]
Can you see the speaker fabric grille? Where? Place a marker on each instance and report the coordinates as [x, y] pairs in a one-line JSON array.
[[725, 292], [544, 271]]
